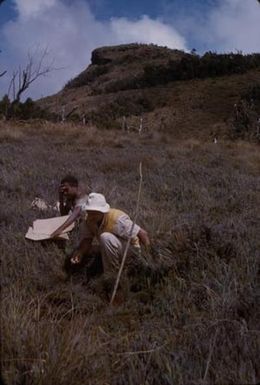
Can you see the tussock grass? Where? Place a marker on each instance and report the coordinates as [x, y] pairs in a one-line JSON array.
[[190, 309], [10, 133]]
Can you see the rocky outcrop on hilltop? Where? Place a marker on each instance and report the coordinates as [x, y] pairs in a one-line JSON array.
[[122, 63]]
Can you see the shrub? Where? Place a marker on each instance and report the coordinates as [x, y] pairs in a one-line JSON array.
[[4, 105], [245, 119], [24, 111], [193, 66], [87, 76]]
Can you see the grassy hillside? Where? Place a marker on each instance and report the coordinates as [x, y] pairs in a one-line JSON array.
[[190, 317], [171, 90]]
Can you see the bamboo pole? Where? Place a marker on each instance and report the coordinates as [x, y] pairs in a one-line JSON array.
[[130, 236]]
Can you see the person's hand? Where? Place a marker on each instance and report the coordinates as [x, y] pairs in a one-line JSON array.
[[76, 258]]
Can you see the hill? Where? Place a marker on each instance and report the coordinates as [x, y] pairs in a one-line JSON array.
[[171, 90]]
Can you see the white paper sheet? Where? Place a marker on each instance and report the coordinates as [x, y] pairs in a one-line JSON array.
[[43, 228], [41, 237]]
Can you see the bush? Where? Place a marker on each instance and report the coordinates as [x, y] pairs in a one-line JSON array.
[[4, 105], [245, 119], [106, 116], [193, 66], [24, 111], [253, 94], [86, 77]]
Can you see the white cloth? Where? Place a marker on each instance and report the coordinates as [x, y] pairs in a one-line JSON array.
[[123, 227]]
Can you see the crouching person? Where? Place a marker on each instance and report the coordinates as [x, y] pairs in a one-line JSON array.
[[111, 228]]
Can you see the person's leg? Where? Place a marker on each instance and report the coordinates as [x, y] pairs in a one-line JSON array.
[[111, 250]]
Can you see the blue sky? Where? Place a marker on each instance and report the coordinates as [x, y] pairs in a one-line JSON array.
[[71, 29], [105, 9]]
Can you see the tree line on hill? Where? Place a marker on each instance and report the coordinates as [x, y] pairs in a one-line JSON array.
[[194, 66]]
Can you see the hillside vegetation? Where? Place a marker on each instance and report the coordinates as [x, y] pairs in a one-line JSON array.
[[190, 309], [171, 90]]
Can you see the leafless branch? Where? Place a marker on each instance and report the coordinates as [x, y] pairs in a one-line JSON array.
[[4, 72], [24, 77]]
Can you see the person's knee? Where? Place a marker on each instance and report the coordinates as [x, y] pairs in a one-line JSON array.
[[109, 241], [106, 239]]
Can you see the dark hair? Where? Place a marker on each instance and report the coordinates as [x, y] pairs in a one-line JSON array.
[[71, 180]]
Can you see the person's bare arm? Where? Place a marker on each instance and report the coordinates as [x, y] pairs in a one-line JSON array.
[[144, 238], [74, 215]]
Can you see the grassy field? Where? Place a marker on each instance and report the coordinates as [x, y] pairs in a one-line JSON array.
[[190, 317]]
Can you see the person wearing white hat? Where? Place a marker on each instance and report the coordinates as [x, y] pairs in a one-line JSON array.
[[112, 228]]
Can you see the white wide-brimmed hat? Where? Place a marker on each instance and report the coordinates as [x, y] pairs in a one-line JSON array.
[[96, 202]]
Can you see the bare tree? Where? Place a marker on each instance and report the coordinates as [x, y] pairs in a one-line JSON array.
[[2, 73], [23, 77]]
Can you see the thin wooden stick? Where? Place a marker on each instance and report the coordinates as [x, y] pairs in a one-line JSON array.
[[213, 342], [141, 351], [130, 236]]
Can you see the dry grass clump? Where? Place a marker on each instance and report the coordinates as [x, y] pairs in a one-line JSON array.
[[190, 309], [10, 133]]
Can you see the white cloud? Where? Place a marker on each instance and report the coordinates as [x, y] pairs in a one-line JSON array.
[[32, 8], [71, 32], [147, 30], [225, 25], [235, 24]]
